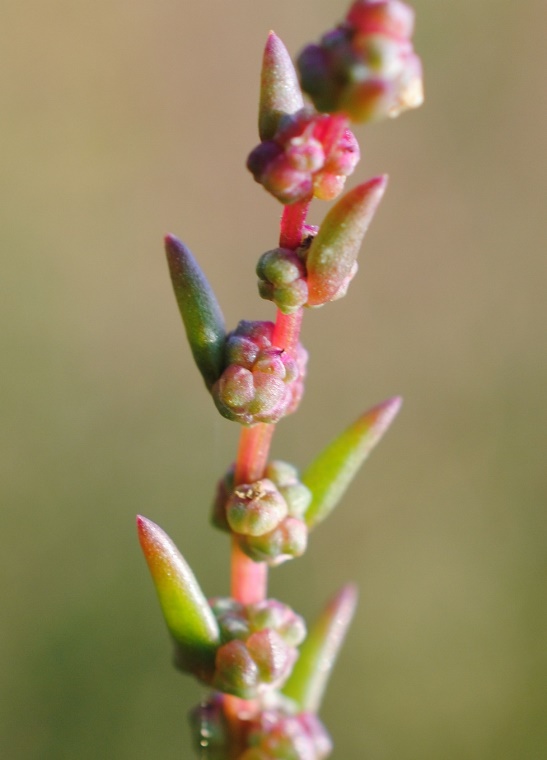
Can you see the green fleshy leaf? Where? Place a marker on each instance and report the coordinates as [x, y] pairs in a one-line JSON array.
[[280, 92], [333, 470], [199, 308], [308, 680], [334, 249], [187, 613]]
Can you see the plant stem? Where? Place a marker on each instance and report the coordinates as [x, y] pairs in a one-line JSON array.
[[249, 579], [252, 455], [287, 330], [292, 225]]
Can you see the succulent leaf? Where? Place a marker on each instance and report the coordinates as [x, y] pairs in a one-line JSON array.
[[332, 471], [199, 308], [280, 92], [334, 249], [308, 680], [187, 613]]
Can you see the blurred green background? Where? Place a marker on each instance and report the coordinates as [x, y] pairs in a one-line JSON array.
[[126, 119]]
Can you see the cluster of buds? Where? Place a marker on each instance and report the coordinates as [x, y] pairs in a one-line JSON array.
[[258, 646], [260, 382], [246, 647], [366, 67], [282, 279], [278, 735], [310, 155], [267, 516], [321, 268]]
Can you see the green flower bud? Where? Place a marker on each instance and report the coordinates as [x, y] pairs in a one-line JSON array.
[[256, 508], [288, 540], [236, 671], [296, 494], [272, 656]]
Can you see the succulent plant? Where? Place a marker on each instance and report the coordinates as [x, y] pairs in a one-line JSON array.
[[265, 674]]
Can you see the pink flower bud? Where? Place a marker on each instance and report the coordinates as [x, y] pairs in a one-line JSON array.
[[366, 68], [275, 734], [389, 17], [236, 671], [272, 655], [267, 384], [309, 155]]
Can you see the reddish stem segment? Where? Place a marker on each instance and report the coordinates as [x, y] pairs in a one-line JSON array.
[[292, 225], [252, 455], [249, 580], [287, 330]]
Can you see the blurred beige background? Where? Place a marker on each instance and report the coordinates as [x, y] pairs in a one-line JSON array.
[[125, 119]]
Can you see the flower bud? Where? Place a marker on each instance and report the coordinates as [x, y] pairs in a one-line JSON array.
[[258, 646], [256, 508], [272, 655], [275, 734], [280, 617], [310, 155], [296, 494], [389, 17], [288, 540], [282, 279], [366, 68], [260, 382], [236, 672]]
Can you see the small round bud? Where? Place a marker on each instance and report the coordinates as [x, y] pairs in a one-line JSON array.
[[242, 351], [236, 387], [256, 508], [236, 671], [281, 618], [288, 540], [272, 655], [282, 279], [296, 494]]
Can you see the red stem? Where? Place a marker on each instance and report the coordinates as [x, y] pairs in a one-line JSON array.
[[287, 330], [252, 455], [249, 580], [292, 225]]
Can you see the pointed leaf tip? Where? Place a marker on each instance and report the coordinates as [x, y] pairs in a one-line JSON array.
[[199, 309], [334, 249], [308, 680], [280, 92], [329, 476], [185, 609]]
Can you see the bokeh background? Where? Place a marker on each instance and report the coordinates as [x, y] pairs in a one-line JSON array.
[[125, 119]]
